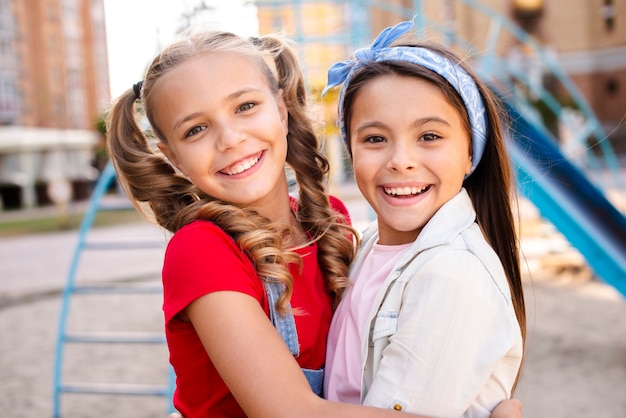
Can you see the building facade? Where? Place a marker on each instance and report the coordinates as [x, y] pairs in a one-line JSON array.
[[586, 38], [53, 86], [589, 37]]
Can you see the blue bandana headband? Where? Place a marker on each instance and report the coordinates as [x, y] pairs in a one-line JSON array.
[[379, 51]]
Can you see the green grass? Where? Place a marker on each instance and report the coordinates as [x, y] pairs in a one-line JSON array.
[[71, 222]]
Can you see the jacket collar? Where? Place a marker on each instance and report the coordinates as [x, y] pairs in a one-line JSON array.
[[447, 223]]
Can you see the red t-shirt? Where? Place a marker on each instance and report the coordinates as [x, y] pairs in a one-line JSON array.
[[200, 259]]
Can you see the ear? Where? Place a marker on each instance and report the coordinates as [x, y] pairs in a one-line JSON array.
[[470, 160], [167, 151], [282, 110], [468, 169]]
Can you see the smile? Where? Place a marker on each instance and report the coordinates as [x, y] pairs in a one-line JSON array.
[[242, 166], [405, 191]]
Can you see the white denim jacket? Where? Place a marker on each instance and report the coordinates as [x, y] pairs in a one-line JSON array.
[[443, 337]]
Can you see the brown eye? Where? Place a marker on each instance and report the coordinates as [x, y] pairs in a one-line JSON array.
[[245, 106], [374, 139], [429, 137], [195, 130]]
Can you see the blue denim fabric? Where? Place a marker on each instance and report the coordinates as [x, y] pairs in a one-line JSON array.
[[286, 327]]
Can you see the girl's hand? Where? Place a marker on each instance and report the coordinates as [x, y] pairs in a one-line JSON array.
[[174, 415], [510, 408]]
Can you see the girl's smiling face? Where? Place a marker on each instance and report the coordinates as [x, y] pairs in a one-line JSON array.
[[226, 129], [410, 152]]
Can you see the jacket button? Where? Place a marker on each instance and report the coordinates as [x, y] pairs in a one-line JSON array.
[[397, 407]]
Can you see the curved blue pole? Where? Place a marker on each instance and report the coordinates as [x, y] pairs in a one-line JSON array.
[[105, 179]]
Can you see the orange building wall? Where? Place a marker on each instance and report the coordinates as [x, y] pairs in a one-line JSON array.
[[44, 65]]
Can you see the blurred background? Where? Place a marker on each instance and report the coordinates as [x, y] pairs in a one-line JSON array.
[[61, 62], [559, 67]]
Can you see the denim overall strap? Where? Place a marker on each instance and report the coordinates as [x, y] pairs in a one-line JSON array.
[[286, 327], [285, 324], [316, 380]]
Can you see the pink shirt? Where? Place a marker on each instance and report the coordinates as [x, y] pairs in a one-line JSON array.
[[342, 379]]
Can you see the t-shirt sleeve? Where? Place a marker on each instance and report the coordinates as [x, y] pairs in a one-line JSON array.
[[200, 259]]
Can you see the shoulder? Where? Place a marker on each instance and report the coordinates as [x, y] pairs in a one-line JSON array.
[[200, 232], [338, 206], [460, 270], [202, 242], [198, 228], [201, 258]]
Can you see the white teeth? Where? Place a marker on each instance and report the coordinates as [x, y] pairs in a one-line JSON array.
[[404, 191], [243, 166]]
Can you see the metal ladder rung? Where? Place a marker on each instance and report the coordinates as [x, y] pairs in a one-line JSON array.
[[116, 289], [116, 389], [116, 338], [122, 245], [111, 207]]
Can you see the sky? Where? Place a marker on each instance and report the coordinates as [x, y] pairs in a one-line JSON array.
[[138, 29]]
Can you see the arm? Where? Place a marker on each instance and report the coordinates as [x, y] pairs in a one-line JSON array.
[[261, 372], [256, 364], [510, 408]]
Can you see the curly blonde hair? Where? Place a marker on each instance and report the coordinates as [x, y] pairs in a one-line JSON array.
[[163, 195]]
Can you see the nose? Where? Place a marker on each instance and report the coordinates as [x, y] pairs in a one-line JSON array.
[[402, 157], [229, 136]]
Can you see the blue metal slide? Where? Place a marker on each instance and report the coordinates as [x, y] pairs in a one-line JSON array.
[[565, 197]]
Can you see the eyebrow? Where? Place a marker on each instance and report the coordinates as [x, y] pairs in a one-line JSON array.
[[366, 125], [233, 96], [417, 122], [183, 120]]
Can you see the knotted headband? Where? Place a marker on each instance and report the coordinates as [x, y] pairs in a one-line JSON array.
[[380, 51]]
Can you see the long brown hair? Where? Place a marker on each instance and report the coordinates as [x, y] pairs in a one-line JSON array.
[[490, 186], [162, 194]]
